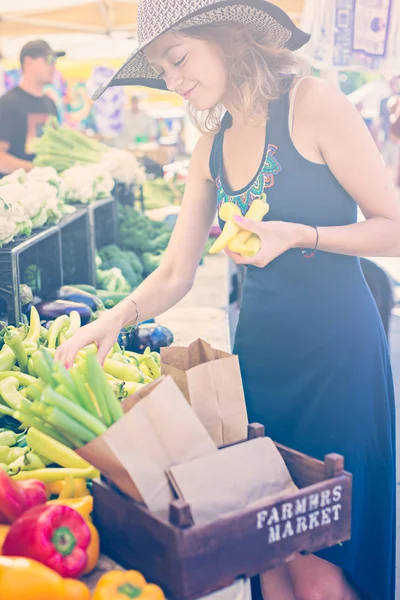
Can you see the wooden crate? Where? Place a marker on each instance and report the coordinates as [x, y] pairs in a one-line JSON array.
[[190, 561]]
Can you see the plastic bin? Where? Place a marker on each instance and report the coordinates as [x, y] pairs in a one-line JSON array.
[[103, 227], [35, 261], [76, 250]]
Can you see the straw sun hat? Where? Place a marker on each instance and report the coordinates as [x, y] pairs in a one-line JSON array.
[[157, 17]]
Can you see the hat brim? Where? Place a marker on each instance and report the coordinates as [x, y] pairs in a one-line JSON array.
[[58, 53], [257, 14]]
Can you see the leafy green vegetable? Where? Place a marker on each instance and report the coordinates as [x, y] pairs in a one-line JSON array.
[[112, 280], [129, 263], [137, 232]]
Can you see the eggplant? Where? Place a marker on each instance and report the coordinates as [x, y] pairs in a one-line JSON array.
[[151, 336], [73, 294], [56, 308]]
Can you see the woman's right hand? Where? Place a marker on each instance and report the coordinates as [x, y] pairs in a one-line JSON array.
[[103, 333]]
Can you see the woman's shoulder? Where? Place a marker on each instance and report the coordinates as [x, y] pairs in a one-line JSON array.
[[315, 97]]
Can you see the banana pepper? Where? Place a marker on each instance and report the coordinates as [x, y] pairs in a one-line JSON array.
[[257, 211], [227, 213], [24, 579], [123, 585]]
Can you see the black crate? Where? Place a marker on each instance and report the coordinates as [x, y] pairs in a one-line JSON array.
[[76, 250], [103, 222], [35, 261], [103, 227]]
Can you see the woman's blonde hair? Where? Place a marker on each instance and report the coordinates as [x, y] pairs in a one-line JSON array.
[[257, 72]]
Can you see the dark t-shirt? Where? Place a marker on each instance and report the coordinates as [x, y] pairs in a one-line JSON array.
[[22, 117]]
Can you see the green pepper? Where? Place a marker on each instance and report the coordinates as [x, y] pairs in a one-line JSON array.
[[13, 341], [56, 328], [12, 397], [8, 438], [26, 462], [7, 358], [153, 367], [75, 323], [9, 455], [23, 379]]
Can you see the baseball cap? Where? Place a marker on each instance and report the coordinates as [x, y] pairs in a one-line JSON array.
[[38, 48]]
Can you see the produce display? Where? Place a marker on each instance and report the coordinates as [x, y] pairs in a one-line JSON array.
[[30, 201], [147, 238], [159, 193], [64, 148], [232, 236], [73, 406], [84, 184]]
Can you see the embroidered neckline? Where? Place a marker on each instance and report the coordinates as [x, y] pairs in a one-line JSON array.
[[264, 180]]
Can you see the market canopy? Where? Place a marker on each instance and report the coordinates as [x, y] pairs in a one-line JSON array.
[[43, 17]]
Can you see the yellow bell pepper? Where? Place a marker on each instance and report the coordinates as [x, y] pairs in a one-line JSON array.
[[257, 211], [83, 505], [25, 579], [57, 487], [122, 585], [4, 529]]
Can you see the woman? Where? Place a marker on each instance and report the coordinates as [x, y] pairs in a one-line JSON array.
[[311, 345]]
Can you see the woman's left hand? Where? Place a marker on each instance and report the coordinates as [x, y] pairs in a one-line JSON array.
[[276, 238]]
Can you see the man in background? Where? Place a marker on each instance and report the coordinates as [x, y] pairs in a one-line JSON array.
[[25, 109], [138, 124]]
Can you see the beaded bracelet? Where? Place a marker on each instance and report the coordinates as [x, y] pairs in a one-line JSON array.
[[136, 322], [307, 253]]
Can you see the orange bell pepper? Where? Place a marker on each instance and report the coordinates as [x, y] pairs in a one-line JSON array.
[[26, 579], [93, 551], [123, 585], [4, 529]]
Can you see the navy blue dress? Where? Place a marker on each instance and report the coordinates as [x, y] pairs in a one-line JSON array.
[[313, 351]]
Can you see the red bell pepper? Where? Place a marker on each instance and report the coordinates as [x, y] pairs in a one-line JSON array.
[[11, 499], [54, 535], [34, 492], [17, 496]]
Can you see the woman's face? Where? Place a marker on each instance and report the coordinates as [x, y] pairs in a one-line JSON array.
[[196, 69]]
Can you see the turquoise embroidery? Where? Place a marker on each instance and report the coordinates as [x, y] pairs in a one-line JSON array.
[[265, 180]]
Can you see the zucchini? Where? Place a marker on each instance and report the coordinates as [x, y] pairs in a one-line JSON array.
[[90, 289]]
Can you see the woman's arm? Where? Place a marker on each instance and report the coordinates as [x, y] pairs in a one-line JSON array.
[[348, 149], [174, 278]]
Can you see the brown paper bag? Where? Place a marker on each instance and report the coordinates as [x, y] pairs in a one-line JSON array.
[[211, 382], [159, 430], [231, 480]]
